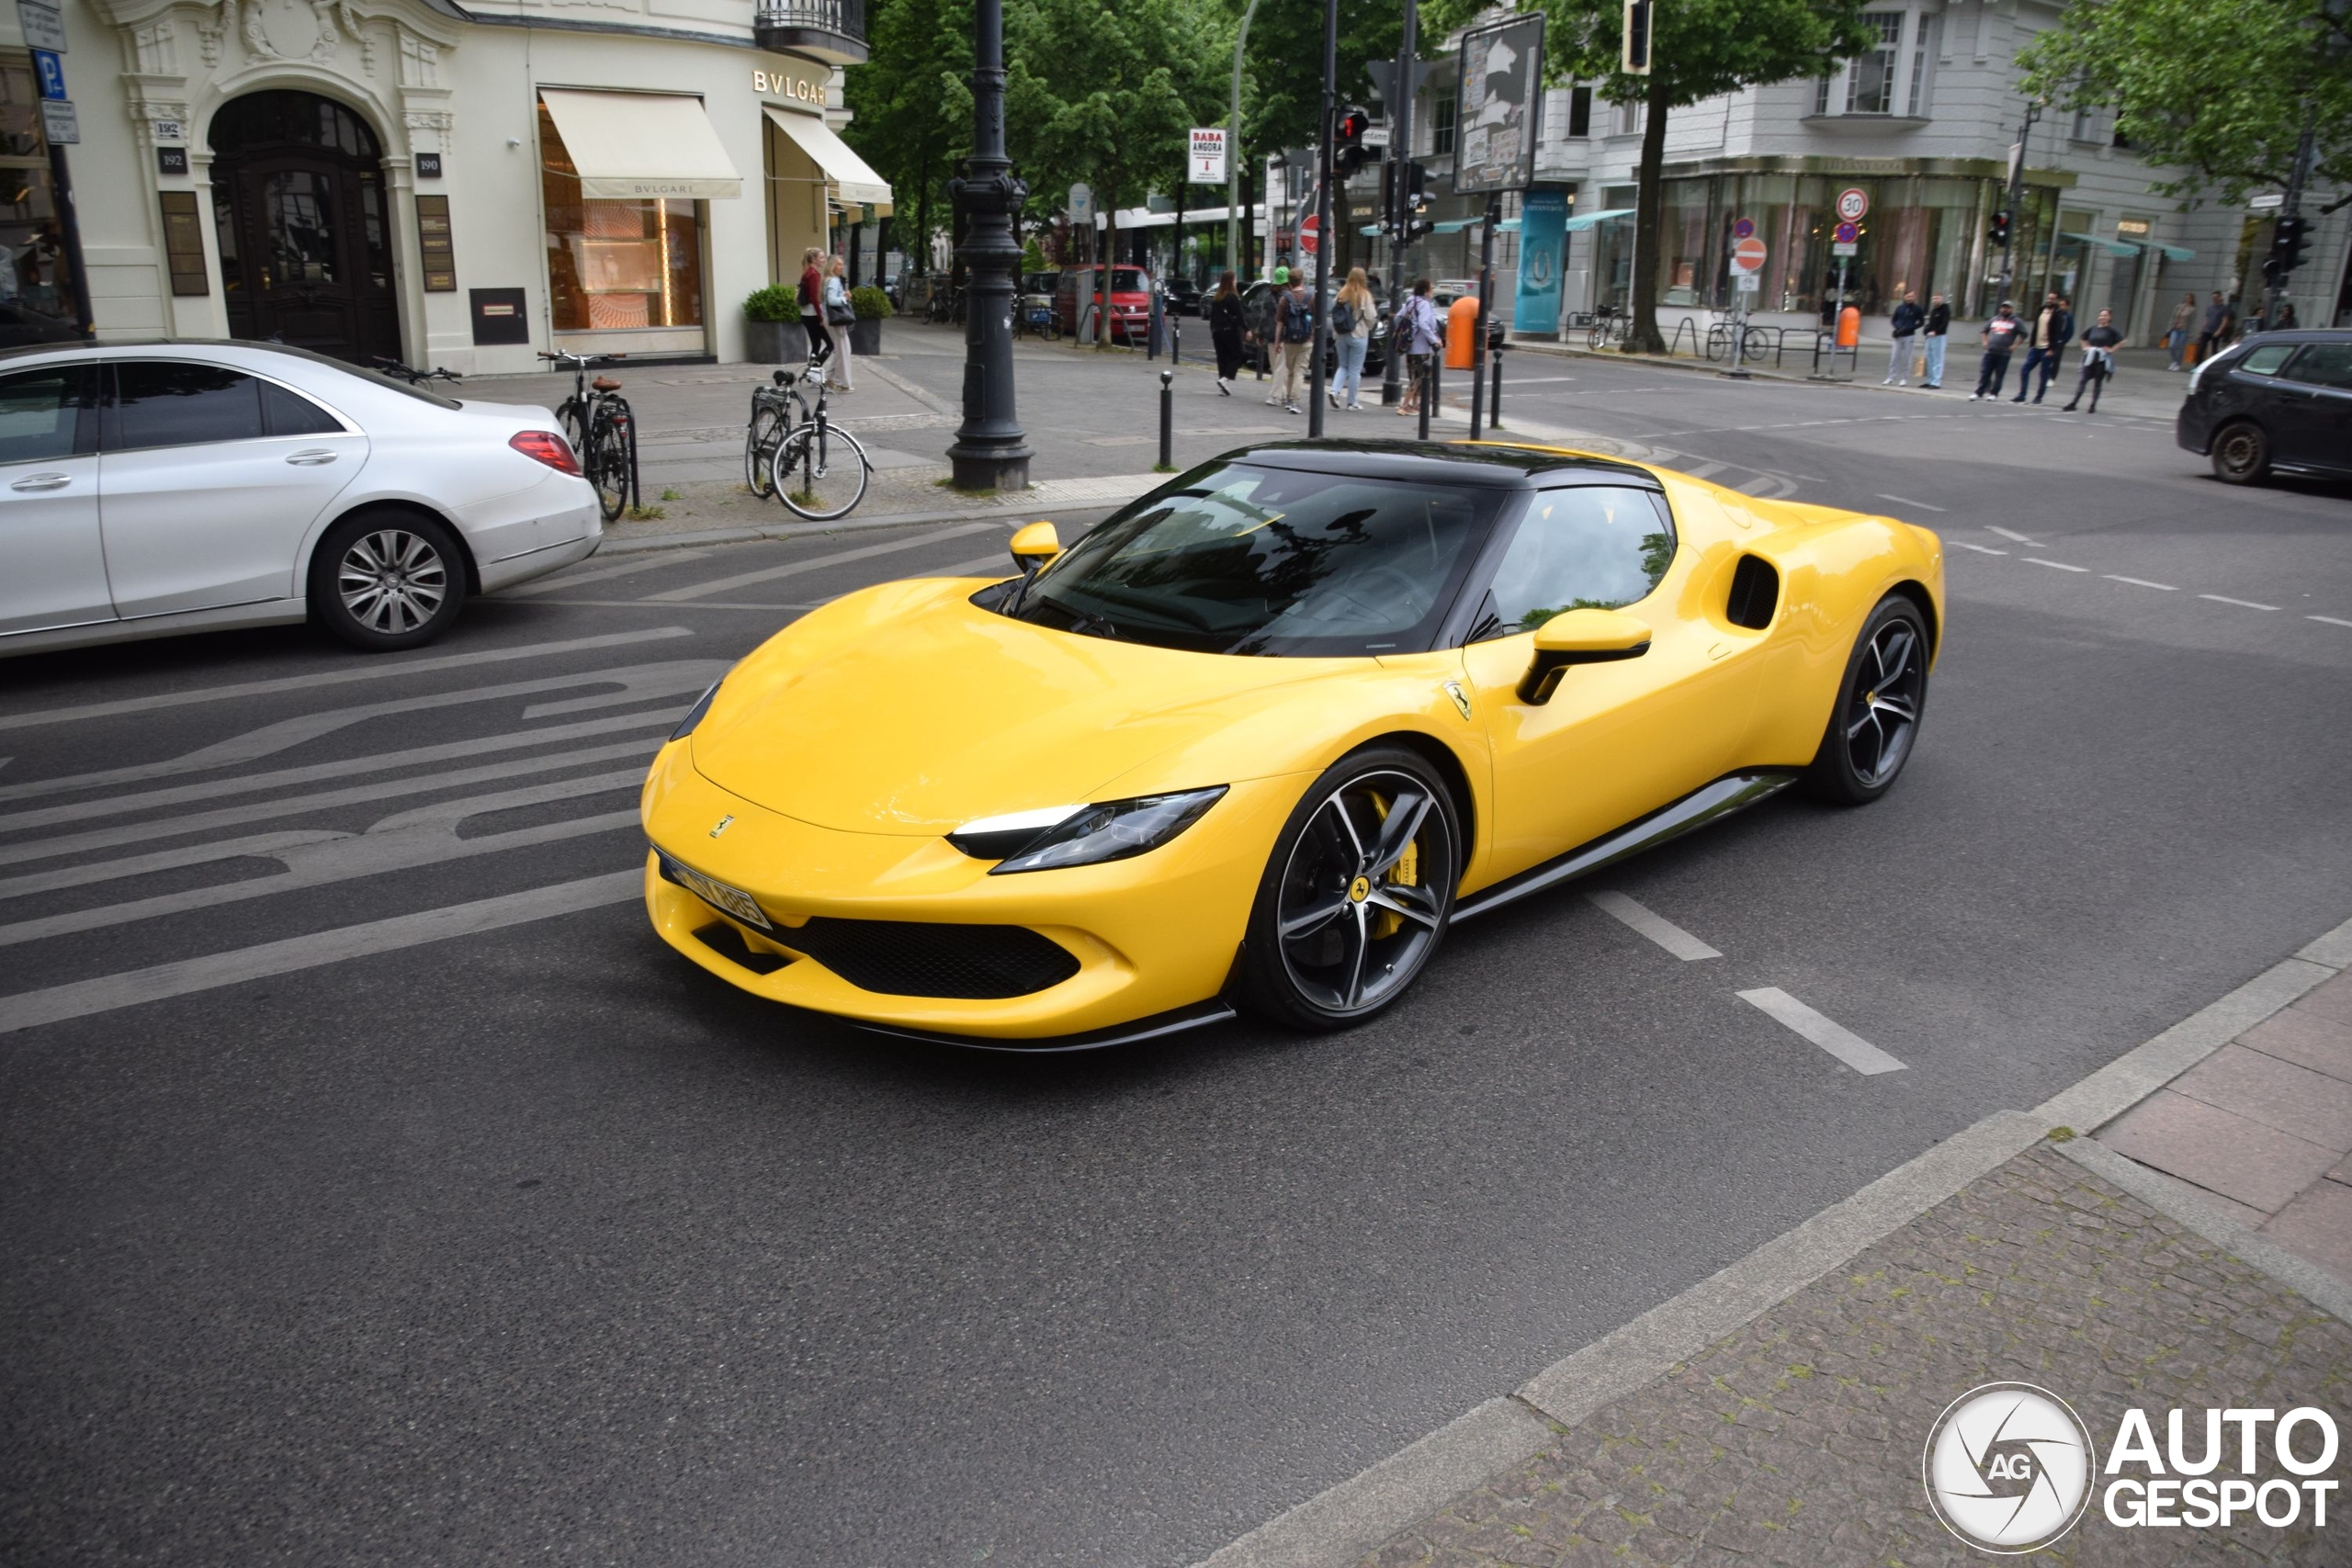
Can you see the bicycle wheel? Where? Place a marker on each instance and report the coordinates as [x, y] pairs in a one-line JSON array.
[[573, 419], [760, 440], [607, 466], [1598, 334], [819, 470]]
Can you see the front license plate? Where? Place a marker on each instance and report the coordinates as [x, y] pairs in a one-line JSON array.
[[717, 894]]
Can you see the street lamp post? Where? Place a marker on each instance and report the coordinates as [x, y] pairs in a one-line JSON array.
[[1234, 216], [1324, 249], [991, 451], [1400, 155]]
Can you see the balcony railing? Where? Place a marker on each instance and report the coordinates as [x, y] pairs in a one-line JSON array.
[[830, 30]]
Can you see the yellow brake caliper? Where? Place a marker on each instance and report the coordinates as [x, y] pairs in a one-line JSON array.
[[1406, 872]]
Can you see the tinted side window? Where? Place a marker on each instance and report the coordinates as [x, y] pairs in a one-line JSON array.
[[157, 403], [2323, 365], [39, 410], [290, 413], [2265, 359], [1594, 546]]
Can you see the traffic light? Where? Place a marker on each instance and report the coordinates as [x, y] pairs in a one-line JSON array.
[[1999, 233], [1635, 59], [1347, 143], [1414, 210], [2288, 239]]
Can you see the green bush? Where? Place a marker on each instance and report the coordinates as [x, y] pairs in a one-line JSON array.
[[870, 303], [776, 302]]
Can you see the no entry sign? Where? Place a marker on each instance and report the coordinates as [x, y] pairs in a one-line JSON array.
[[1747, 255]]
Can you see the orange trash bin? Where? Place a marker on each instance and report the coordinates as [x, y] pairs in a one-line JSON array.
[[1849, 326], [1462, 333]]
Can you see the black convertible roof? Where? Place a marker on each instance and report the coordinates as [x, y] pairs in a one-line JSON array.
[[1451, 462]]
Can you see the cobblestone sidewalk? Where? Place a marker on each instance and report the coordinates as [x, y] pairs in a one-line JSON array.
[[1798, 1439]]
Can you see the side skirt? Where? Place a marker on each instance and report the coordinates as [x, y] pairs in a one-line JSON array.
[[1733, 792]]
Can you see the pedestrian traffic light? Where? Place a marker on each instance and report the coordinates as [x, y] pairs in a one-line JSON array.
[[1347, 143], [2288, 239], [1999, 232], [1636, 58], [1413, 211]]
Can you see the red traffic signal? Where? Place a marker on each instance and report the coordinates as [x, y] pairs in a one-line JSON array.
[[1347, 142]]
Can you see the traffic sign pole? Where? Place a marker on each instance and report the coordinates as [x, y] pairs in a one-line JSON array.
[[44, 29]]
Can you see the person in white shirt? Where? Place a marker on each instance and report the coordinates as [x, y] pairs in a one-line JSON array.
[[841, 316]]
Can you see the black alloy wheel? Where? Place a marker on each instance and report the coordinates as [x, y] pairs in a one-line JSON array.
[[1357, 894], [385, 579], [2240, 453], [1876, 722]]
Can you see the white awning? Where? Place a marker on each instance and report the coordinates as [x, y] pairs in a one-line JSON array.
[[638, 146], [851, 177]]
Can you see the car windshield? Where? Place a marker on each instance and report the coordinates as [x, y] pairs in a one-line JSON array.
[[1244, 559]]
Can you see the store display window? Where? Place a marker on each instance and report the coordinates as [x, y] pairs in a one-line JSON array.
[[617, 265], [36, 286]]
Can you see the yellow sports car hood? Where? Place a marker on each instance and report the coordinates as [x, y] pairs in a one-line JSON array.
[[907, 709]]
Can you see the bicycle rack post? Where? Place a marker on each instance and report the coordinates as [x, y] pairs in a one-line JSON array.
[[1167, 419]]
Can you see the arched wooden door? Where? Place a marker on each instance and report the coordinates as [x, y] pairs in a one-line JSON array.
[[304, 225]]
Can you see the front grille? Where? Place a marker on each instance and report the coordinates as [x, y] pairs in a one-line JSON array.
[[914, 958]]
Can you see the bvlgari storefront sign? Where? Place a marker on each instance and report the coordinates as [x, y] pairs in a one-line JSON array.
[[798, 86]]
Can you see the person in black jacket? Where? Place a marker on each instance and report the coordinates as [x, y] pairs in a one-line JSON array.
[[2053, 331], [2099, 344], [1903, 325], [1939, 332], [1224, 331]]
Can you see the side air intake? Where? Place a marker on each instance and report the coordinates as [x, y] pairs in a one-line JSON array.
[[1755, 593]]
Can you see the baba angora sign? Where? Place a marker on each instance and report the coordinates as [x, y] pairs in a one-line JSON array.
[[1499, 103]]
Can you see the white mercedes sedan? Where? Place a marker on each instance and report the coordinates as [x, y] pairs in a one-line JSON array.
[[149, 488]]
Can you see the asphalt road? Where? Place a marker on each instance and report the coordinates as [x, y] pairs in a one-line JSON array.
[[328, 1244]]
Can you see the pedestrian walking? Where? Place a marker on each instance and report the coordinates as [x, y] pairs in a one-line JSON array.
[[2099, 344], [1998, 335], [1351, 318], [1294, 339], [1259, 324], [2184, 318], [1903, 324], [2219, 320], [840, 315], [812, 305], [2053, 328], [1417, 328], [1937, 331], [1225, 331]]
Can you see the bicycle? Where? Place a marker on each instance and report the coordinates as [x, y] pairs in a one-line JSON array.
[[414, 378], [602, 429], [1609, 326], [799, 452]]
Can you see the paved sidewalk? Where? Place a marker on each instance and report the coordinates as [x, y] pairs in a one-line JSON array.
[[1799, 1439]]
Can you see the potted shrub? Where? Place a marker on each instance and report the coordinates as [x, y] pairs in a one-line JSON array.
[[772, 331], [873, 308]]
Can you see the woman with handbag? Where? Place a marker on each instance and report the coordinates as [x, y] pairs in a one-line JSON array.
[[812, 305], [1226, 327], [840, 315]]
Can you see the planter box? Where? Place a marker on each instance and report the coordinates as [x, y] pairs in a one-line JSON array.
[[774, 343], [866, 335]]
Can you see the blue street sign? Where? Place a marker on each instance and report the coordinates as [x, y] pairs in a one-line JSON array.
[[52, 75]]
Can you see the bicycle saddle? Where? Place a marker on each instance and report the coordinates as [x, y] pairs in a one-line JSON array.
[[605, 384]]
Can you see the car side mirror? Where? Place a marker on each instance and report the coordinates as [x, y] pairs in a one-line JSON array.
[[1579, 636], [1034, 547]]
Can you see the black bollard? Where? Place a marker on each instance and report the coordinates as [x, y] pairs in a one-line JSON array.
[[1495, 403], [1429, 394], [1167, 419], [1175, 339]]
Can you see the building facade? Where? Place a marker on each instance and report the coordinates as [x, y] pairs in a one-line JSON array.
[[443, 183]]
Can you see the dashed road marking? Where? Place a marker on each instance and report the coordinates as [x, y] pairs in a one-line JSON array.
[[1980, 550], [2242, 603], [2140, 582], [1830, 1035], [1656, 927], [2330, 620], [1906, 501], [2014, 537], [2054, 565]]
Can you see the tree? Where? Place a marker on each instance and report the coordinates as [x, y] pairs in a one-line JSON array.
[[1698, 50], [2222, 93], [1286, 64], [911, 106]]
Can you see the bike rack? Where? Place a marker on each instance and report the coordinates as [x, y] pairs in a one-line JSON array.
[[1687, 324], [1825, 344]]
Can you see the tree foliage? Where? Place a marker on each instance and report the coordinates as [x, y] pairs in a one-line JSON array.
[[912, 107], [2219, 92], [1282, 101]]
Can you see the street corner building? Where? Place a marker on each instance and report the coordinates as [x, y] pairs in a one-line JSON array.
[[442, 184]]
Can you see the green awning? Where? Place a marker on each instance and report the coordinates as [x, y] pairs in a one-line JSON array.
[[2112, 247], [1587, 220], [2170, 252]]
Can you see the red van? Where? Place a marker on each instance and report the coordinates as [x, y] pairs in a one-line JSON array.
[[1130, 301]]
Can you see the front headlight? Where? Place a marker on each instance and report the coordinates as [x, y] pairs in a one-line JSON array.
[[1083, 835]]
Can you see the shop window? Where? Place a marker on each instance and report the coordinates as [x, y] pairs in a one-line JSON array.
[[616, 265], [36, 286]]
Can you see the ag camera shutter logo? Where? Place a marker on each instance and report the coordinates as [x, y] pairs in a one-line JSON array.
[[2007, 1467]]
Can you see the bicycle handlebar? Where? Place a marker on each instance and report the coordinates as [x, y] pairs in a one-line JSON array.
[[584, 361], [414, 377]]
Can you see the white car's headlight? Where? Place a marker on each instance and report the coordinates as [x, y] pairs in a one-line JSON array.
[[1083, 835]]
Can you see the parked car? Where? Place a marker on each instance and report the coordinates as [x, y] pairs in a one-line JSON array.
[[1183, 296], [147, 489], [2275, 402], [1129, 307]]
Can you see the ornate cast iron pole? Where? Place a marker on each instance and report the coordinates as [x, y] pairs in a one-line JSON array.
[[992, 450]]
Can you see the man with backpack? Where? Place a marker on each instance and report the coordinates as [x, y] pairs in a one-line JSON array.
[[1293, 337]]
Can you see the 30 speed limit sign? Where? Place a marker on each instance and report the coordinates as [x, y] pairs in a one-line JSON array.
[[1853, 203]]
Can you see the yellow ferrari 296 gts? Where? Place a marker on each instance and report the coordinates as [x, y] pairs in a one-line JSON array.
[[1264, 737]]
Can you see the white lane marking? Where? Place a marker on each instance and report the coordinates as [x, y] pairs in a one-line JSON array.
[[2330, 620], [2056, 565], [212, 789], [1706, 470], [1980, 550], [813, 563], [636, 682], [1831, 1036], [2140, 582], [974, 568], [1906, 501], [256, 846], [2241, 604], [2006, 534], [560, 581], [374, 671], [289, 806], [82, 999], [1657, 928]]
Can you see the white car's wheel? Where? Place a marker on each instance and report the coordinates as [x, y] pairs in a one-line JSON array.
[[384, 579]]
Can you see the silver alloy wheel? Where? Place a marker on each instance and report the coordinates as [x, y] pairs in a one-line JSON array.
[[1363, 896], [1884, 713], [392, 581]]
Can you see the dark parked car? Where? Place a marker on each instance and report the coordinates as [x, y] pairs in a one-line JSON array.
[[1257, 313], [2278, 401], [1183, 296]]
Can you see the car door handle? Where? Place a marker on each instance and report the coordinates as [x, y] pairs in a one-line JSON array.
[[44, 481], [312, 456]]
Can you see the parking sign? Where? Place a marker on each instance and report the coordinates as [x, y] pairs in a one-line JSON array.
[[52, 71]]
